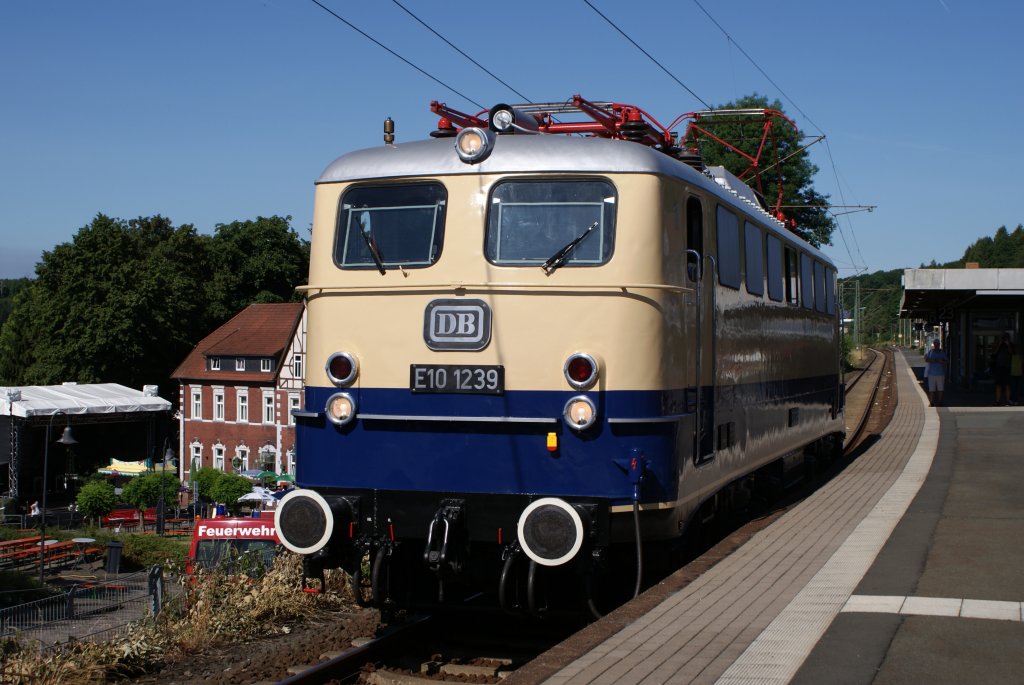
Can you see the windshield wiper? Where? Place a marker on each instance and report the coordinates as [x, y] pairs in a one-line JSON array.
[[374, 250], [558, 259]]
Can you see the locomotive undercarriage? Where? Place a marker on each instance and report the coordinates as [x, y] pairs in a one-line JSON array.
[[420, 549]]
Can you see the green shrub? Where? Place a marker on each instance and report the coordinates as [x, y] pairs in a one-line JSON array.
[[143, 551]]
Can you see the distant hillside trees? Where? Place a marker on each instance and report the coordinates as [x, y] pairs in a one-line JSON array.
[[1004, 250], [125, 301]]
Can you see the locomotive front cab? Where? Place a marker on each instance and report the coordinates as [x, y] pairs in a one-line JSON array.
[[487, 398]]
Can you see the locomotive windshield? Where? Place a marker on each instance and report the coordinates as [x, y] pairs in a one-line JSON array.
[[530, 223], [390, 226]]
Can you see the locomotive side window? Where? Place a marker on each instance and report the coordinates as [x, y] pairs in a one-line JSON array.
[[774, 253], [792, 276], [753, 245], [694, 237], [728, 232], [819, 286], [551, 223], [830, 291], [806, 282], [390, 226]]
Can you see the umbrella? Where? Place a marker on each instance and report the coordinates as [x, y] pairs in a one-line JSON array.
[[256, 497], [285, 478], [250, 473], [266, 475]]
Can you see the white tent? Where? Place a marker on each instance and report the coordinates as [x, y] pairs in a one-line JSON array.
[[71, 398]]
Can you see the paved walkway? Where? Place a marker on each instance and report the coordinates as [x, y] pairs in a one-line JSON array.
[[789, 605]]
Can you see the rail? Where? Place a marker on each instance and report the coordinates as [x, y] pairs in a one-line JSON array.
[[351, 662], [873, 372]]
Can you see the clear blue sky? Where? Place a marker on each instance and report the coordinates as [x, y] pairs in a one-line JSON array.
[[217, 110]]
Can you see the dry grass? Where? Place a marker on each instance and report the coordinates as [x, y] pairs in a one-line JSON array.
[[212, 609]]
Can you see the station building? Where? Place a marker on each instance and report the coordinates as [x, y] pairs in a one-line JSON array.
[[968, 309]]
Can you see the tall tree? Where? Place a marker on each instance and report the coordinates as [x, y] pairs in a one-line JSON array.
[[255, 261], [783, 157], [122, 303]]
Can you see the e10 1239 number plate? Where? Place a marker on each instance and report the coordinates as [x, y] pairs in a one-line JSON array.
[[457, 378]]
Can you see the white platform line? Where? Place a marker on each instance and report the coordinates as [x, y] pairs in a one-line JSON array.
[[778, 652], [935, 606]]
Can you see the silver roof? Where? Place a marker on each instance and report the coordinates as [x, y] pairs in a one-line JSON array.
[[511, 154], [547, 154]]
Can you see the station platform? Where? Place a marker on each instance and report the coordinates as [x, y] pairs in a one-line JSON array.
[[907, 567]]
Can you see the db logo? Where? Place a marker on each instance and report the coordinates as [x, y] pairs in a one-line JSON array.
[[457, 325]]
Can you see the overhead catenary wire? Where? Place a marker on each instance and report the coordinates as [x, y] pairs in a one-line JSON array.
[[395, 54], [828, 148], [649, 56], [756, 66], [458, 50]]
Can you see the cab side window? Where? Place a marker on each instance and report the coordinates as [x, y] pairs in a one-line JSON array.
[[694, 237]]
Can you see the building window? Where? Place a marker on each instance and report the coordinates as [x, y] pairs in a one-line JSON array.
[[218, 457], [268, 408], [290, 454], [215, 364], [239, 364], [297, 365], [197, 403], [243, 454], [293, 405], [218, 404], [197, 458], [265, 365], [268, 457], [243, 405]]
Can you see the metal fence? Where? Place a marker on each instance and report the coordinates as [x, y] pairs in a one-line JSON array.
[[95, 612], [14, 520]]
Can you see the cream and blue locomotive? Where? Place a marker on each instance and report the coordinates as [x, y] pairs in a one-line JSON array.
[[535, 357]]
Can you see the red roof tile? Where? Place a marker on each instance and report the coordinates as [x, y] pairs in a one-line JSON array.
[[259, 330]]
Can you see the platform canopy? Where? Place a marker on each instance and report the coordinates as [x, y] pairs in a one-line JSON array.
[[74, 399], [937, 294]]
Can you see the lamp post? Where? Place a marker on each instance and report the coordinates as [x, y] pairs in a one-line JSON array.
[[65, 439], [162, 505]]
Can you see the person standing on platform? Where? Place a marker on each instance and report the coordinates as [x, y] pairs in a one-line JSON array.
[[1002, 360], [935, 370], [1016, 369]]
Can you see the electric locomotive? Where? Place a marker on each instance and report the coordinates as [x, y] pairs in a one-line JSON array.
[[533, 357]]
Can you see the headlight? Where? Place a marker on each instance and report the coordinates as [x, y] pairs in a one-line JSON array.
[[579, 413], [473, 144], [341, 408], [342, 368], [501, 120]]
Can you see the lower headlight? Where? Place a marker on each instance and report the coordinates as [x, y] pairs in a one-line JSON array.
[[341, 408], [304, 521], [551, 531], [580, 413]]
